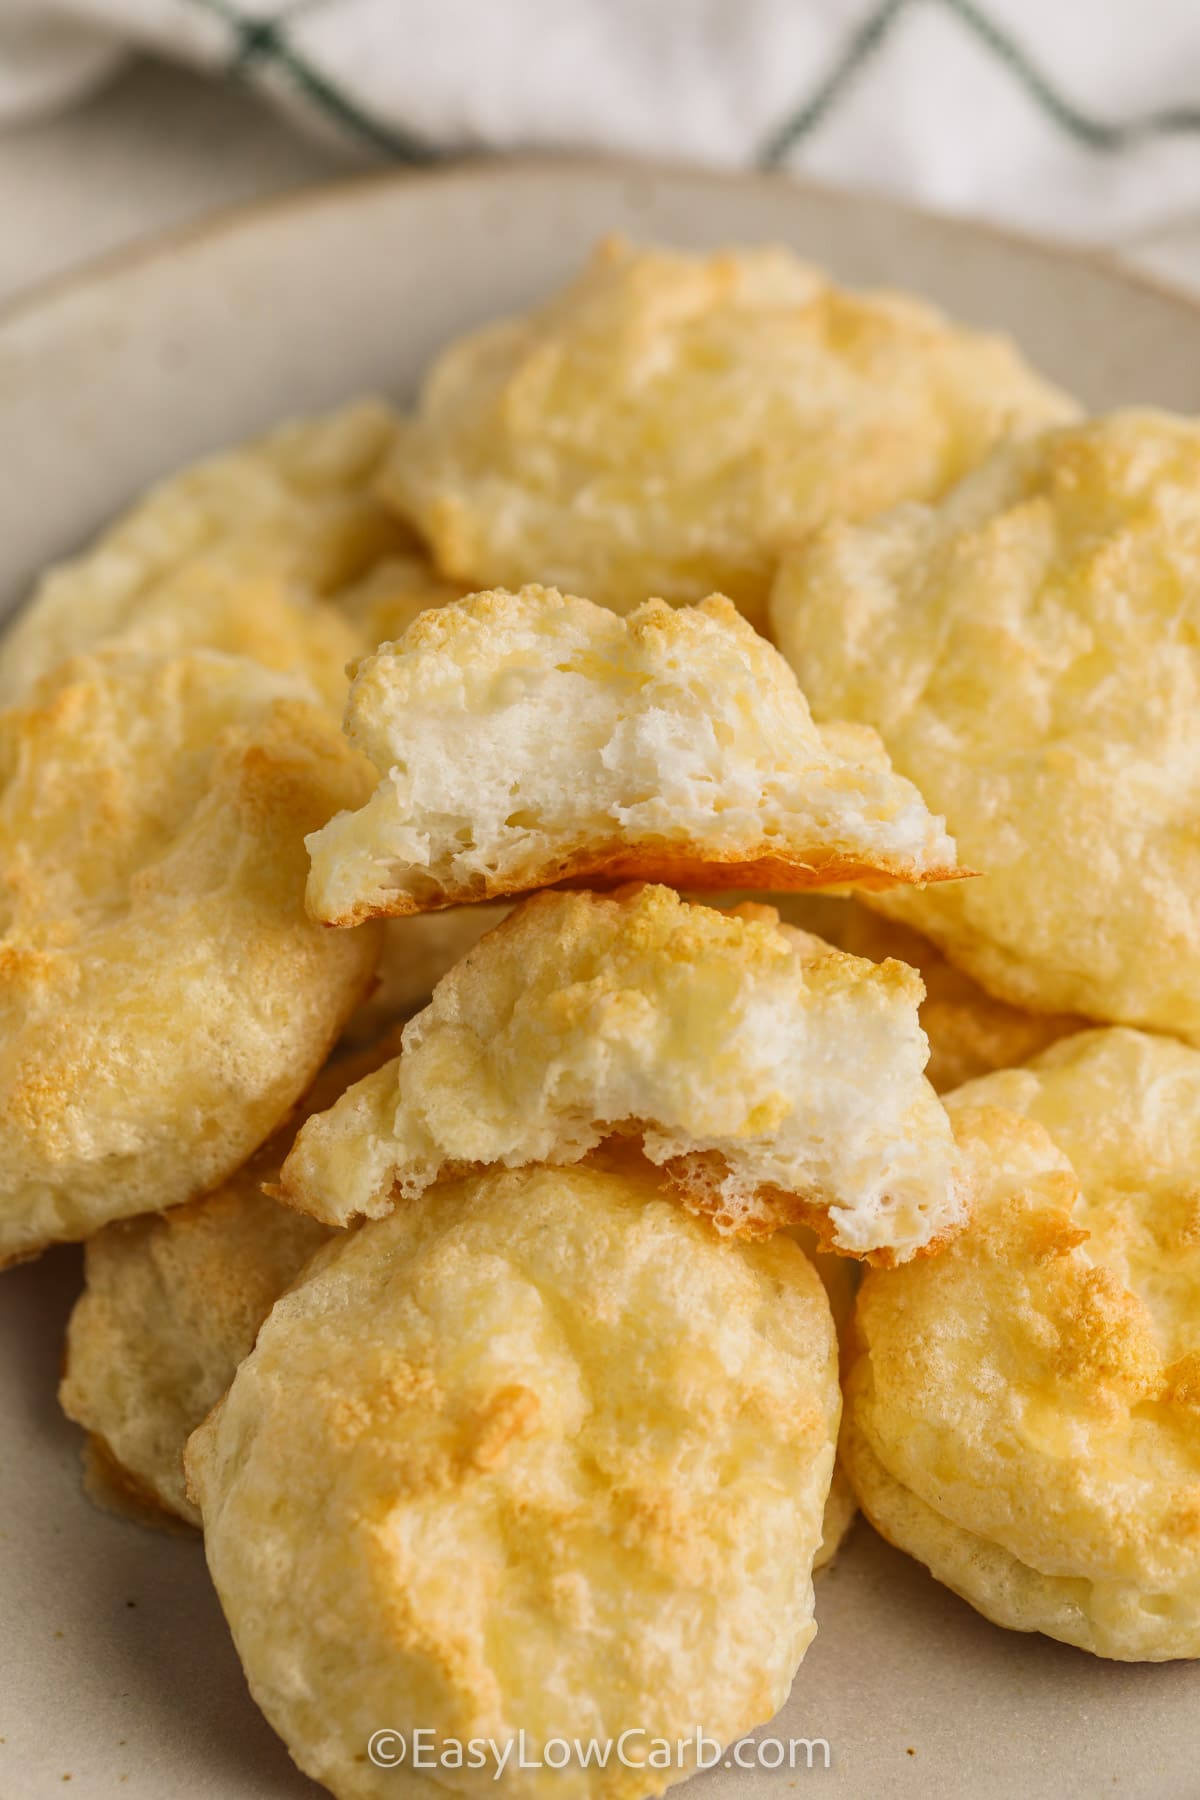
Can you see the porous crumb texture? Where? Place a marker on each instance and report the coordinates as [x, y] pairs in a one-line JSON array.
[[772, 1076], [531, 738]]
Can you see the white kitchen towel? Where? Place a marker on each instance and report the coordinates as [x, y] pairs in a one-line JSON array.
[[1076, 117]]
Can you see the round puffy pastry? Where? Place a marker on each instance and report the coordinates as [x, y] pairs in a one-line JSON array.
[[773, 1077], [164, 997], [670, 423], [172, 1303], [1029, 652], [1024, 1411], [241, 553], [532, 738], [970, 1032], [539, 1452]]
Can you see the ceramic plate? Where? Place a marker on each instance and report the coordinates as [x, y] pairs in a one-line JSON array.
[[116, 1673]]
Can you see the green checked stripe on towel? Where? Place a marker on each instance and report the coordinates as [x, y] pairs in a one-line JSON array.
[[1080, 118], [264, 43], [869, 38], [260, 43]]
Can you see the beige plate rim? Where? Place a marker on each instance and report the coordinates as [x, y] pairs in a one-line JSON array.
[[470, 170]]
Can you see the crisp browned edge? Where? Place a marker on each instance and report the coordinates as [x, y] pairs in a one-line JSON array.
[[613, 864]]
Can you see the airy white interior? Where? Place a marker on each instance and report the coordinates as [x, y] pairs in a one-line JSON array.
[[807, 1077], [557, 728]]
